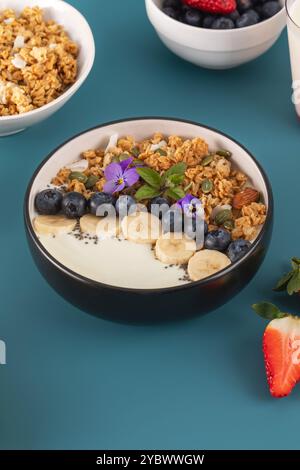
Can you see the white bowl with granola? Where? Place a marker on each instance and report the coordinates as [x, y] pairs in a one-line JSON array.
[[177, 212], [47, 51]]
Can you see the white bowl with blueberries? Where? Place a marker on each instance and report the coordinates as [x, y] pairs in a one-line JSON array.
[[237, 32]]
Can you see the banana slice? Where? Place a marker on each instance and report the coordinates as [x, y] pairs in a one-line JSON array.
[[138, 208], [170, 249], [141, 227], [53, 224], [205, 263], [108, 227], [88, 223]]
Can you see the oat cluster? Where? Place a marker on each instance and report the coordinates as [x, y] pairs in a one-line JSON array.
[[226, 180], [38, 61]]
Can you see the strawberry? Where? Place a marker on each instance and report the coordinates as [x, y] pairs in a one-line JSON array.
[[281, 347], [222, 7]]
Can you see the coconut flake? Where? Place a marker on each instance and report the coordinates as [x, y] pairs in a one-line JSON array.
[[19, 42], [158, 146], [218, 209], [2, 92], [52, 45], [79, 165], [4, 86], [18, 62], [8, 20], [112, 142]]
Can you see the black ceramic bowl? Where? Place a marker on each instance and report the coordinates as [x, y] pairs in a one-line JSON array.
[[148, 305]]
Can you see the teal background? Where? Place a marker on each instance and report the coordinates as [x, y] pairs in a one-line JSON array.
[[74, 381]]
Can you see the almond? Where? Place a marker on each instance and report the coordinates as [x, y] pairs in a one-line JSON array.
[[245, 197]]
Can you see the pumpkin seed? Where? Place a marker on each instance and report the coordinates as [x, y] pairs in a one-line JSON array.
[[229, 224], [224, 153], [207, 186], [207, 160], [136, 162], [223, 216], [77, 175], [123, 156], [91, 181], [161, 152], [135, 151]]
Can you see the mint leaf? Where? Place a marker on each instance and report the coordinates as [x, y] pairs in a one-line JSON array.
[[283, 282], [150, 176], [175, 193], [268, 311], [294, 284], [175, 179], [146, 192], [178, 169]]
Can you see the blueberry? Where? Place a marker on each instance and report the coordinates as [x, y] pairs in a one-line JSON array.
[[193, 17], [48, 202], [185, 8], [74, 205], [223, 23], [170, 12], [217, 240], [237, 249], [159, 206], [125, 205], [172, 3], [244, 5], [247, 19], [205, 228], [234, 15], [98, 199], [208, 21], [191, 226], [194, 225], [270, 9], [172, 220], [259, 11]]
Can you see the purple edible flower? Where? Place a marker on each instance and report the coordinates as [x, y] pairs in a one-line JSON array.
[[119, 175], [190, 205]]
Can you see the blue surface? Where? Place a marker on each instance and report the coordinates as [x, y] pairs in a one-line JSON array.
[[73, 381]]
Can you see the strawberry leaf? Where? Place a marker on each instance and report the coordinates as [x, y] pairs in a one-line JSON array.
[[268, 311], [295, 264], [146, 192], [150, 176], [283, 282], [294, 283]]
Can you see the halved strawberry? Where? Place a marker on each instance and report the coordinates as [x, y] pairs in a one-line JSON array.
[[222, 7], [281, 346]]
